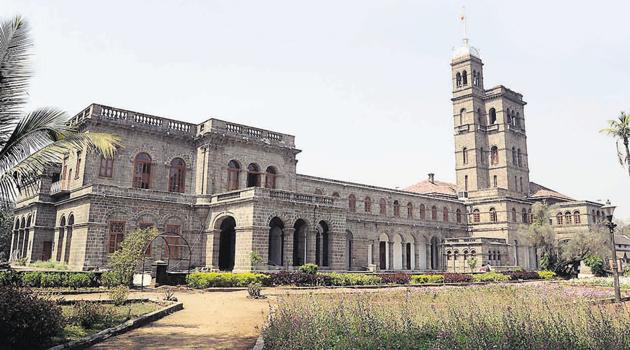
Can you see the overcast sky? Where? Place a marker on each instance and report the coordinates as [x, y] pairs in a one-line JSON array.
[[363, 85]]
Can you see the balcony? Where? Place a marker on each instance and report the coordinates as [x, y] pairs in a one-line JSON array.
[[58, 188]]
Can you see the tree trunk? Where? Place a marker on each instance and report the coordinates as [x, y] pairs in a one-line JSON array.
[[625, 143]]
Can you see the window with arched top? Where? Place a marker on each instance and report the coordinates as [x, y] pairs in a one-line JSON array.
[[462, 116], [434, 213], [253, 175], [513, 121], [409, 210], [482, 156], [368, 205], [458, 216], [599, 217], [234, 169], [514, 215], [352, 203], [396, 209], [336, 194], [474, 77], [559, 218], [465, 155], [448, 255], [423, 212], [492, 115], [593, 216], [508, 117], [519, 156], [458, 79], [382, 206], [271, 175], [524, 216], [495, 181], [142, 171], [494, 155], [177, 176], [517, 120], [464, 78], [576, 217], [476, 216], [493, 215], [567, 218], [514, 161], [445, 214], [530, 218]]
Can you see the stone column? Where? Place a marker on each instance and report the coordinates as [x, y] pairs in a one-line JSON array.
[[287, 255], [243, 248], [421, 256], [403, 250], [14, 241], [390, 249], [428, 257], [212, 248], [375, 253]]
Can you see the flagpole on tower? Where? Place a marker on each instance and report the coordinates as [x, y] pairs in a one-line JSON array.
[[465, 25]]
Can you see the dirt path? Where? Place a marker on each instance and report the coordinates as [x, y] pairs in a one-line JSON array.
[[210, 320]]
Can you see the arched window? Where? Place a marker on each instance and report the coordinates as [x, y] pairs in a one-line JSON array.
[[474, 77], [234, 169], [319, 191], [396, 209], [514, 161], [368, 205], [458, 79], [524, 216], [514, 215], [458, 216], [335, 194], [464, 78], [494, 181], [462, 115], [567, 218], [445, 214], [270, 177], [530, 218], [494, 155], [517, 120], [434, 213], [492, 114], [482, 155], [352, 203], [409, 210], [520, 158], [448, 255], [593, 216], [142, 171], [559, 218], [382, 206], [576, 217], [476, 216], [480, 117], [599, 217], [177, 176], [466, 183], [107, 167], [493, 215], [253, 175], [423, 214], [465, 155], [465, 255], [455, 254], [508, 118]]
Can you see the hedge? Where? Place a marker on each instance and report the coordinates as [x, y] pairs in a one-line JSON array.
[[49, 279], [422, 279], [546, 274], [491, 276], [352, 279], [522, 275], [224, 279]]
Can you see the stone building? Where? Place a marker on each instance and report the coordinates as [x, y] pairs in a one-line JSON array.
[[219, 191]]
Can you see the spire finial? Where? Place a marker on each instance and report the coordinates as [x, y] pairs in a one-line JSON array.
[[464, 21]]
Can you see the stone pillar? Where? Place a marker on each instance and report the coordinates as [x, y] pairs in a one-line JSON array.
[[212, 248], [390, 249], [375, 253], [428, 257], [14, 241], [243, 248], [421, 256], [403, 250], [287, 255], [310, 242]]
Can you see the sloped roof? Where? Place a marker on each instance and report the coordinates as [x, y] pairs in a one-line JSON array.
[[433, 187], [539, 191]]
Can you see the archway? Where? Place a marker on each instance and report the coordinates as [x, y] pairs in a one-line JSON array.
[[435, 256], [349, 238], [383, 252], [398, 252], [299, 242], [276, 242], [322, 244], [227, 244]]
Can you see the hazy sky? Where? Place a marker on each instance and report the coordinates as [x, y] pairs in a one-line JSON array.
[[364, 85]]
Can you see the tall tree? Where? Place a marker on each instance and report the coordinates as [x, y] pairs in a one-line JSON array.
[[29, 141], [620, 130]]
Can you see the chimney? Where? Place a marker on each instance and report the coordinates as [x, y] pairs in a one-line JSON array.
[[432, 178]]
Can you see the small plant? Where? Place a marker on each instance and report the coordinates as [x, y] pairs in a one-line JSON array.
[[472, 263], [491, 276], [254, 290], [169, 295], [255, 258], [110, 279], [20, 262], [546, 275], [422, 279], [31, 279], [309, 268], [78, 280], [87, 314], [52, 279], [119, 295], [596, 264], [9, 278]]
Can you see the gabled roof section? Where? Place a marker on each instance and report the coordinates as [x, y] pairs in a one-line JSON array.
[[541, 192]]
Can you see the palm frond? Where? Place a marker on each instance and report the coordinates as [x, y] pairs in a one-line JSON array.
[[15, 72]]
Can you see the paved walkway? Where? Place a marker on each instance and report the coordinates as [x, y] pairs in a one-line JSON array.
[[210, 320]]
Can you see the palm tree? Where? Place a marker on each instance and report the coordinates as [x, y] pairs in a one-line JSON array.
[[620, 130], [31, 141]]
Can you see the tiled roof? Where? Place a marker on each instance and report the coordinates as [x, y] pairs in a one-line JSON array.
[[539, 191], [436, 187], [622, 239]]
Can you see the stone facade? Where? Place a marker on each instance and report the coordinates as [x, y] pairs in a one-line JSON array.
[[219, 191]]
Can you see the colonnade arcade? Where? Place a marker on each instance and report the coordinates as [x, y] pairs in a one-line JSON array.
[[396, 251]]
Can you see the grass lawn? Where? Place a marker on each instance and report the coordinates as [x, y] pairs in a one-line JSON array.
[[105, 316], [499, 316]]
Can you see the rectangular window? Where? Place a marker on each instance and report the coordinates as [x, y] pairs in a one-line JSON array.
[[106, 168], [116, 235], [78, 166]]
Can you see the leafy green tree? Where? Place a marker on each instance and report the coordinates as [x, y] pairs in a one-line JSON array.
[[541, 234], [29, 141], [124, 262], [6, 224], [620, 130]]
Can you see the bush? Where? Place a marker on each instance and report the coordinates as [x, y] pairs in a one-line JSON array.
[[422, 279], [31, 279], [452, 277], [224, 279], [78, 280], [491, 276], [596, 264], [309, 268], [522, 275], [9, 278], [351, 279], [395, 278], [110, 279], [87, 314], [52, 280], [50, 264], [124, 260], [285, 278], [119, 295], [546, 275], [26, 320], [254, 290]]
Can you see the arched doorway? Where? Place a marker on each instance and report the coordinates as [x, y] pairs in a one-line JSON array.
[[68, 239], [299, 242], [253, 175], [276, 242], [322, 244], [349, 250], [435, 256], [383, 251], [227, 244]]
